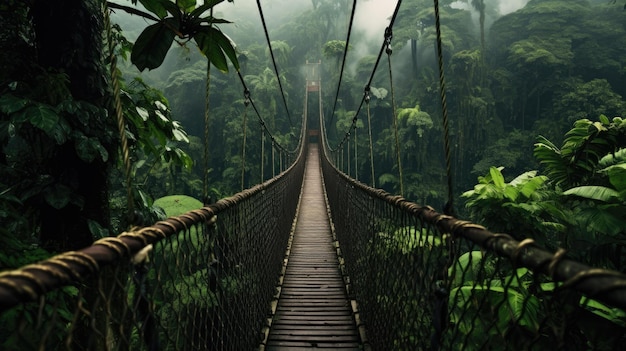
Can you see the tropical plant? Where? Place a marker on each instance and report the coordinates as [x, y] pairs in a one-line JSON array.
[[576, 162], [522, 309], [179, 21], [525, 207]]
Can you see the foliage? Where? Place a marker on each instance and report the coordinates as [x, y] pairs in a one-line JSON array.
[[415, 117], [578, 204], [185, 21], [521, 310], [525, 207], [576, 162]]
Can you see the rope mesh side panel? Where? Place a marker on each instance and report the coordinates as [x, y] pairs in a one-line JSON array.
[[207, 283], [428, 281]]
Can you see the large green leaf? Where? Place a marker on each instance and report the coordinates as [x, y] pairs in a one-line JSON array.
[[206, 6], [10, 104], [42, 116], [186, 5], [614, 315], [593, 192], [152, 45], [617, 176], [466, 269], [88, 149], [155, 6], [58, 195], [216, 47], [497, 177]]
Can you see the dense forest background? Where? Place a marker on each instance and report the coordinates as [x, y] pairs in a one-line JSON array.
[[515, 71]]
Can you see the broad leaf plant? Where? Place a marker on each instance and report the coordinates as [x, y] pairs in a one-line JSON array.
[[181, 21]]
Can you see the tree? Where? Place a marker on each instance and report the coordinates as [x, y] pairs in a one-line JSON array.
[[57, 142]]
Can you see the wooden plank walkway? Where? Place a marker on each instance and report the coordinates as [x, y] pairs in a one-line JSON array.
[[313, 310]]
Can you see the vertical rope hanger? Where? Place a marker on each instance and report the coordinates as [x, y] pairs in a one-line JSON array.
[[262, 151], [246, 102], [205, 168], [121, 124], [388, 36], [356, 154], [273, 159], [449, 206], [442, 289], [369, 130], [349, 162]]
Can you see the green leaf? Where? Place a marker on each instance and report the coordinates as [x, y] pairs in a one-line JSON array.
[[532, 185], [216, 47], [593, 192], [614, 315], [42, 116], [58, 195], [10, 104], [96, 229], [179, 135], [143, 113], [152, 45], [155, 6], [61, 131], [186, 5], [466, 269], [173, 9], [206, 6], [90, 148], [617, 176], [604, 119], [497, 177], [161, 116], [161, 106]]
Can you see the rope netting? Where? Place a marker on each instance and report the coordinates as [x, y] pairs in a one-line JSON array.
[[204, 280], [425, 280]]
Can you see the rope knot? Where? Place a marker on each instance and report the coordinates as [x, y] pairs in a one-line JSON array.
[[246, 96], [388, 37]]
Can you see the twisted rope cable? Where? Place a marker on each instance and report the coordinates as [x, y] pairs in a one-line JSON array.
[[343, 63], [449, 207], [269, 44], [246, 102], [205, 167], [121, 123], [388, 36], [369, 130]]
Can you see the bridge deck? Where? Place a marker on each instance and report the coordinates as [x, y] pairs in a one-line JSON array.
[[313, 310]]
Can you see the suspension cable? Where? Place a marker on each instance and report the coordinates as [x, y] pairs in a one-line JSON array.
[[388, 36], [269, 44], [449, 206], [261, 120], [343, 63], [246, 102], [371, 78], [121, 123], [443, 289]]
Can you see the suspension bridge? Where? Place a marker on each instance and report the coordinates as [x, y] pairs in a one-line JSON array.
[[312, 259]]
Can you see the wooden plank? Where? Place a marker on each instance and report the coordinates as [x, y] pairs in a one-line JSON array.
[[313, 311]]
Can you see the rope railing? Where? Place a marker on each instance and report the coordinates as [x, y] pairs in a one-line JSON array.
[[425, 280], [203, 280]]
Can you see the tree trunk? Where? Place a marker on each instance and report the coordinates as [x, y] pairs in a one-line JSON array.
[[69, 40]]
